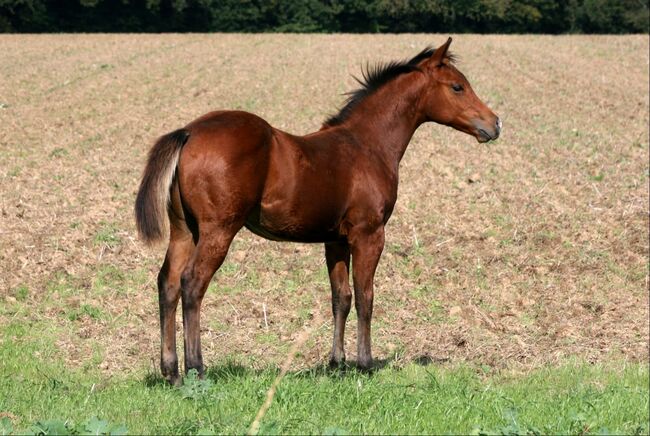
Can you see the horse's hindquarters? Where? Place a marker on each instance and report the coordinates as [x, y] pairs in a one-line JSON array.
[[222, 168]]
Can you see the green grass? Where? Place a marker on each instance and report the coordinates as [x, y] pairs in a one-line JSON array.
[[107, 234], [40, 395]]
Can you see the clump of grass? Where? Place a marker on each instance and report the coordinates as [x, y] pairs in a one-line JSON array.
[[21, 292], [107, 235], [88, 310], [58, 152], [62, 283]]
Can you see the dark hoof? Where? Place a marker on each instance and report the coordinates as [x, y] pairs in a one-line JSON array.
[[169, 371], [365, 365], [173, 380], [337, 364], [171, 375]]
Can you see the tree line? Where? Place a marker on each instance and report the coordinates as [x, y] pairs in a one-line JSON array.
[[355, 16]]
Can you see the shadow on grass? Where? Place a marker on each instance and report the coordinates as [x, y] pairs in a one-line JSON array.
[[215, 373], [427, 359], [232, 369], [154, 380]]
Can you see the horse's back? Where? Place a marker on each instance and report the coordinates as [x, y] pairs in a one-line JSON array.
[[226, 129]]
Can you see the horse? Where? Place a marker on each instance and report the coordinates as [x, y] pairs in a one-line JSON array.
[[337, 186]]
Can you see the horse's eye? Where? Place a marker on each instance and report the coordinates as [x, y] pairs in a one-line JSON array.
[[457, 87]]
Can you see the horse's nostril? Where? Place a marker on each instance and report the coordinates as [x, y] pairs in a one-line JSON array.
[[499, 124]]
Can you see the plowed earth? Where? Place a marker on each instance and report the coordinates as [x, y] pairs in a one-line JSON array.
[[519, 253]]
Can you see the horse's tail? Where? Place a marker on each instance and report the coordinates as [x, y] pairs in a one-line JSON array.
[[154, 193]]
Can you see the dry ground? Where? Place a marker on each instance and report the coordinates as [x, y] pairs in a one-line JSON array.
[[519, 253]]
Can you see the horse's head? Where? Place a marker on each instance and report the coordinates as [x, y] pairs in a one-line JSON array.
[[449, 99]]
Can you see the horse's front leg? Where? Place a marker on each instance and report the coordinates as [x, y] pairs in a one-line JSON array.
[[366, 250], [337, 256]]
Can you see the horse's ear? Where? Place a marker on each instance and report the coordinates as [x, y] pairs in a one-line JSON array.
[[438, 56]]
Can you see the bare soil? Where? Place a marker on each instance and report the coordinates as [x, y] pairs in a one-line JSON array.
[[521, 253]]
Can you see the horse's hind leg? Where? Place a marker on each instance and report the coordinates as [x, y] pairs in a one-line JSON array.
[[211, 250], [337, 256], [181, 246]]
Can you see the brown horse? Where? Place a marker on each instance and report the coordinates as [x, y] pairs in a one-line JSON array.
[[337, 186]]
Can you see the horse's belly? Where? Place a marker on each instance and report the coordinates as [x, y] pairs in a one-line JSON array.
[[293, 227]]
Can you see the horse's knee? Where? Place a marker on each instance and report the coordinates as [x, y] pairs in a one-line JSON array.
[[189, 291], [168, 293], [363, 305], [186, 281], [345, 297]]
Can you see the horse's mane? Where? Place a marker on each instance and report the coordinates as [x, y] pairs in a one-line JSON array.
[[375, 76]]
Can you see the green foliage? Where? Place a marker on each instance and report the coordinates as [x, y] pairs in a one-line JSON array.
[[501, 16], [193, 387], [612, 16], [96, 426], [93, 426], [6, 427]]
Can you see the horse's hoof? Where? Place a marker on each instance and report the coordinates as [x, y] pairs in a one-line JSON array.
[[174, 380], [365, 365]]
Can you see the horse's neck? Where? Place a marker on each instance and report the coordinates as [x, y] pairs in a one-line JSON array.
[[386, 120]]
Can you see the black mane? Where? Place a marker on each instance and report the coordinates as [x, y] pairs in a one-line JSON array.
[[375, 76]]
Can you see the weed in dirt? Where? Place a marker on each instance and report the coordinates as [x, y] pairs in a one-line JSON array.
[[88, 310], [58, 152], [14, 172], [107, 235], [61, 283], [110, 280], [108, 277], [21, 292]]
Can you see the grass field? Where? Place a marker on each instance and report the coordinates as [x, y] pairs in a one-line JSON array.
[[513, 291], [414, 398]]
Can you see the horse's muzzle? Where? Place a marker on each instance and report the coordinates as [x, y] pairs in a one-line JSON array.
[[486, 132]]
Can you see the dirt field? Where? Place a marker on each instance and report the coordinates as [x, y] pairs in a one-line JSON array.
[[523, 252]]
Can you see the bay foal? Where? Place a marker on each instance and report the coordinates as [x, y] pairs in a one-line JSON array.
[[338, 186]]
